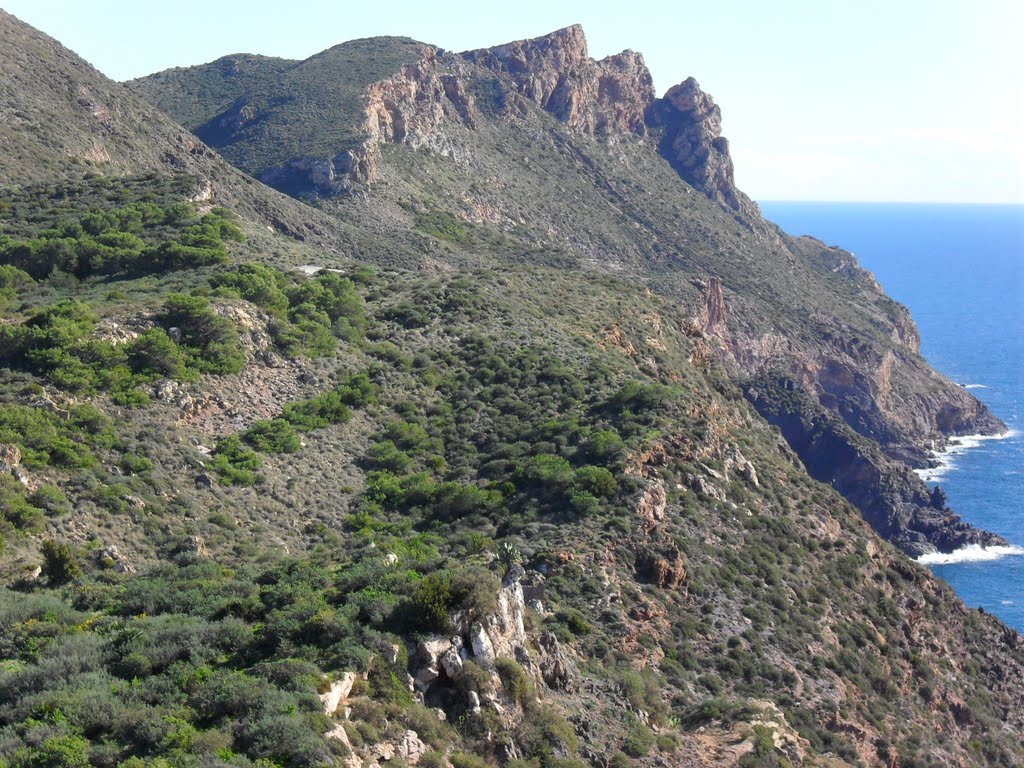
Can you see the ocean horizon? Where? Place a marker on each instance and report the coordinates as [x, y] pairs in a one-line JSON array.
[[959, 268]]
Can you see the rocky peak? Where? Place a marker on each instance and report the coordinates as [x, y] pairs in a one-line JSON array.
[[605, 98], [693, 143]]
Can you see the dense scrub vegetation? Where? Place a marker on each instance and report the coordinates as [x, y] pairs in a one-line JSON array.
[[440, 430], [137, 238]]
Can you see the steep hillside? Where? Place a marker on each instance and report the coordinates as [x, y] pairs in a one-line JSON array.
[[533, 152], [477, 484], [281, 113], [61, 119]]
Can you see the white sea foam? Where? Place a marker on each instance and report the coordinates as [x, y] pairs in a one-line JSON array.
[[946, 459], [972, 553], [974, 386]]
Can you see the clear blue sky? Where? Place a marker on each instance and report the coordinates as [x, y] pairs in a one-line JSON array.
[[915, 100]]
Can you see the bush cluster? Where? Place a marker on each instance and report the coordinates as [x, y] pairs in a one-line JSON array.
[[138, 238]]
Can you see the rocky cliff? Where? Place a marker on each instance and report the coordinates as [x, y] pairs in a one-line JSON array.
[[692, 142], [603, 98], [891, 497]]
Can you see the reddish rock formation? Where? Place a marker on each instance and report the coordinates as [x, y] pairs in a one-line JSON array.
[[712, 314], [693, 143], [602, 98], [409, 107]]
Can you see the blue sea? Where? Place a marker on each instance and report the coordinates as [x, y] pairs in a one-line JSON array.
[[960, 270]]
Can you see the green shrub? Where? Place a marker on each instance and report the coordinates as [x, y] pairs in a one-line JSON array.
[[545, 735], [386, 455], [141, 237], [256, 283], [603, 445], [210, 341], [134, 464], [47, 438], [584, 504], [60, 564], [51, 500], [63, 751], [596, 481], [153, 353], [433, 601], [548, 471], [12, 282], [274, 436], [16, 510], [515, 681], [236, 464], [639, 741], [437, 595]]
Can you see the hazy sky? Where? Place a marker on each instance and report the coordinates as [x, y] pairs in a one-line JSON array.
[[909, 100]]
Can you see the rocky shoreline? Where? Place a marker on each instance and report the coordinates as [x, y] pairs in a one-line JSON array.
[[892, 497]]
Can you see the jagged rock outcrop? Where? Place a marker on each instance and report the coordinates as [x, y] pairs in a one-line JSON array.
[[712, 317], [111, 557], [438, 663], [602, 98], [692, 142], [333, 698], [410, 107]]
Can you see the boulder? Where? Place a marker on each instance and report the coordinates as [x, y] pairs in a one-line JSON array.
[[337, 693], [483, 648], [410, 747]]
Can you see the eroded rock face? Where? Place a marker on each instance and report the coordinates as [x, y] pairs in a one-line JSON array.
[[653, 504], [410, 747], [692, 142], [602, 98], [410, 108], [712, 319], [438, 663]]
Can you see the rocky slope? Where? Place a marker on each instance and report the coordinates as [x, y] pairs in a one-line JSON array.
[[795, 306]]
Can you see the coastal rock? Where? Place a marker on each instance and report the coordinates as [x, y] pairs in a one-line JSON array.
[[895, 501]]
